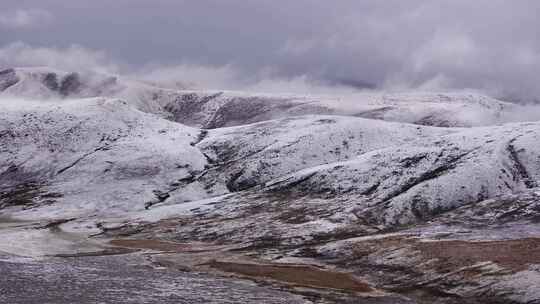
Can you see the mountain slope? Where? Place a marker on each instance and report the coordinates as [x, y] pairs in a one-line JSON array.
[[222, 108], [90, 154], [127, 159]]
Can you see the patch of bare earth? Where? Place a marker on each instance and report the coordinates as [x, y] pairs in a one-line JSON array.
[[441, 271], [206, 257], [512, 254], [298, 275], [515, 254]]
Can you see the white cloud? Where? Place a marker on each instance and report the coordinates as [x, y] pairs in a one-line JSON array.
[[193, 76], [230, 77], [25, 18], [73, 58]]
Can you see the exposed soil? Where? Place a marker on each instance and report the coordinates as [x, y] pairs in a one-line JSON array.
[[512, 254], [297, 275], [300, 275], [515, 255]]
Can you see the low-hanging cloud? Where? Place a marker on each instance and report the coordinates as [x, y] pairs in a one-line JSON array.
[[72, 58], [181, 76], [488, 45], [230, 77], [266, 80]]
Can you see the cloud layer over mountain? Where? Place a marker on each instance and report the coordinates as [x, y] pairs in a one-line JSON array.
[[487, 45]]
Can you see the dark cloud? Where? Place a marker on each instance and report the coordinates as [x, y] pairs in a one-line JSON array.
[[489, 45]]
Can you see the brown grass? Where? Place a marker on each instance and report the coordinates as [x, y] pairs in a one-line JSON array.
[[299, 275], [511, 254]]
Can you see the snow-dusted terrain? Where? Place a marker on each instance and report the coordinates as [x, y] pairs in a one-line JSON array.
[[228, 108], [283, 177]]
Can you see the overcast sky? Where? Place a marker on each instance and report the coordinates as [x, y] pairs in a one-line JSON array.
[[488, 45]]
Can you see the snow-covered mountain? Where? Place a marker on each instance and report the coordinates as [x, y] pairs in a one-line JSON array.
[[284, 177], [216, 109], [125, 157]]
